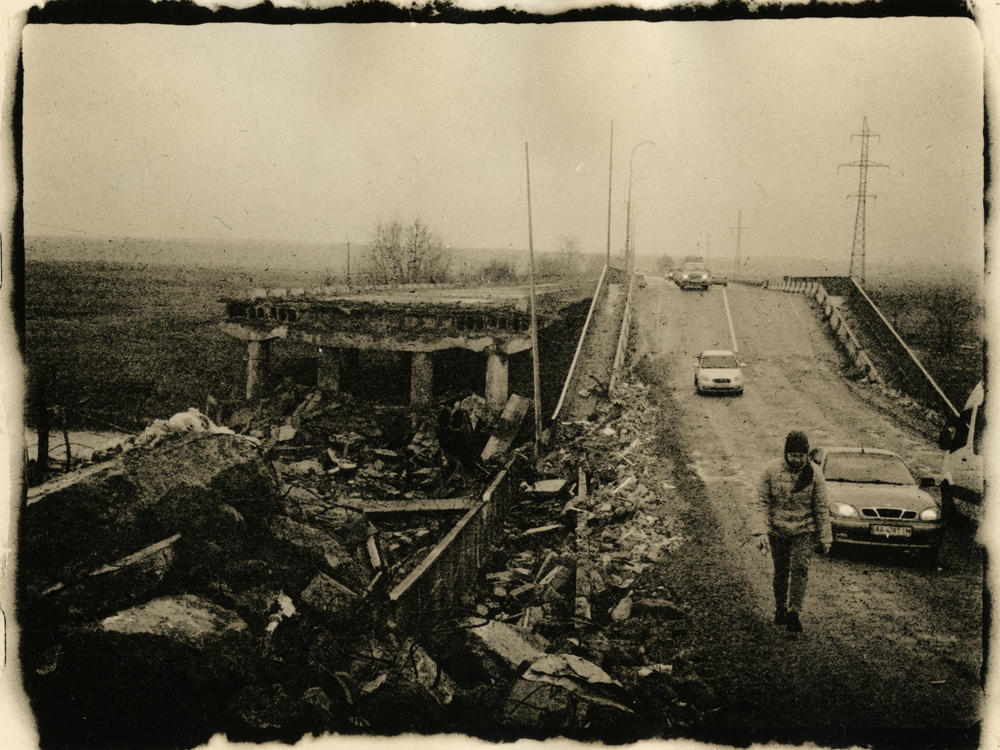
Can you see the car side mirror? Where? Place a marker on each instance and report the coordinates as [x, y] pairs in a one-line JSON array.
[[926, 482]]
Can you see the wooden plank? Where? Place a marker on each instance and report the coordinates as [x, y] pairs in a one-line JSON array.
[[403, 507]]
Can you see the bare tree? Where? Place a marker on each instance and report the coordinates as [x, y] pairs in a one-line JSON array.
[[567, 259], [407, 255]]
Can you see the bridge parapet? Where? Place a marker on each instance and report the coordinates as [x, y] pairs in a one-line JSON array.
[[869, 338]]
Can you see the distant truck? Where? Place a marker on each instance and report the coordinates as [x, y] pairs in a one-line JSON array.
[[961, 440], [693, 275]]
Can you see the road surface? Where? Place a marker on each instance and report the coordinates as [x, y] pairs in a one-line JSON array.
[[891, 649]]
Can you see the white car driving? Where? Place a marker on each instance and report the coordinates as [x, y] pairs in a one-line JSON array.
[[718, 371]]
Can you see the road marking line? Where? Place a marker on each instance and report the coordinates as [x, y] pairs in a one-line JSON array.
[[729, 317]]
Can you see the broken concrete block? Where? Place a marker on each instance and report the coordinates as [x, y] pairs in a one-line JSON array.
[[80, 521], [162, 669], [524, 592], [119, 584], [562, 691], [418, 665], [283, 433], [622, 610], [330, 598], [659, 607], [507, 428], [320, 547], [547, 487], [497, 649], [306, 468]]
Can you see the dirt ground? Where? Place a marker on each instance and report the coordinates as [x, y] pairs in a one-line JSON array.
[[891, 652]]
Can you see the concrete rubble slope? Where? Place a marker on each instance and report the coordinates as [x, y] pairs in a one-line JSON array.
[[192, 583]]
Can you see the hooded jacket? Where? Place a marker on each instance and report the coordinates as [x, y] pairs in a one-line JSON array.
[[792, 504]]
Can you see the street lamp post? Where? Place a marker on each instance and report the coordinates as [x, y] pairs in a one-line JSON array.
[[629, 260]]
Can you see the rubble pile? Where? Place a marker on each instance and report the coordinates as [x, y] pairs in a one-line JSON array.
[[198, 580], [558, 639], [234, 580]]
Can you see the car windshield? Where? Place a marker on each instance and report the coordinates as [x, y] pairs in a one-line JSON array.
[[719, 362], [876, 468], [693, 267]]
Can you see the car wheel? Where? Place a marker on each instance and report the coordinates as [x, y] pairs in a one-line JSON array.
[[947, 503], [929, 557], [739, 392]]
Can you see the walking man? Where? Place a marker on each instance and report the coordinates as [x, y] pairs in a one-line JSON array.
[[793, 495]]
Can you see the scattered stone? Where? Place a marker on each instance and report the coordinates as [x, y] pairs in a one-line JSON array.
[[499, 648], [622, 610], [330, 598], [662, 608], [546, 487]]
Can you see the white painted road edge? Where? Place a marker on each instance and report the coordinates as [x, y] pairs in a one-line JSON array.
[[729, 317]]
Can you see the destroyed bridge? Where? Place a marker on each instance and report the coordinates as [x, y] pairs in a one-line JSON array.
[[292, 576], [419, 320]]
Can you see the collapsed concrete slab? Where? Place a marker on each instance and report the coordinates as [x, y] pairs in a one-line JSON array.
[[76, 524], [161, 669]]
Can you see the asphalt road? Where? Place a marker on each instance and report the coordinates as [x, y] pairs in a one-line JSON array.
[[892, 649]]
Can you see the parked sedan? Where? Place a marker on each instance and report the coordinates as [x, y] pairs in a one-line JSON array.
[[874, 500], [718, 371]]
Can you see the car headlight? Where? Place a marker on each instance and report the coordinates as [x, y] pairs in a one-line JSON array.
[[684, 277], [843, 509], [930, 514], [704, 276]]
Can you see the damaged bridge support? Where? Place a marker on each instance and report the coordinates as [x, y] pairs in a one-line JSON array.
[[258, 365], [497, 374], [338, 339]]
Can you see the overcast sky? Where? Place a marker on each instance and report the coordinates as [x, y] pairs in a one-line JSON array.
[[317, 133]]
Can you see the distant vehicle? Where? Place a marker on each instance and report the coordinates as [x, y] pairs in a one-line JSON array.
[[718, 371], [719, 279], [874, 500], [640, 279], [962, 465], [693, 276]]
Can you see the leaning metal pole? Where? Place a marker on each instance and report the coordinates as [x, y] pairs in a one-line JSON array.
[[534, 319]]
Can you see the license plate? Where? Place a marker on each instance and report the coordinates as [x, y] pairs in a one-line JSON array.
[[891, 530]]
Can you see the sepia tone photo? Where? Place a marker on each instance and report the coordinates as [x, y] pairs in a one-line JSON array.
[[450, 374]]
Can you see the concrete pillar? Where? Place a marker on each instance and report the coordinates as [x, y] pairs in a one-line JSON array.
[[258, 362], [421, 379], [329, 362], [497, 366]]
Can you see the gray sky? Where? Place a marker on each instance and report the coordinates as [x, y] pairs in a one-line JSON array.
[[318, 132]]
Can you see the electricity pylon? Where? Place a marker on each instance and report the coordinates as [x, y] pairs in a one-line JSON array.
[[857, 269]]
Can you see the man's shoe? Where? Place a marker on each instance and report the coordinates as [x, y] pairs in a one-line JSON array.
[[793, 623], [780, 616]]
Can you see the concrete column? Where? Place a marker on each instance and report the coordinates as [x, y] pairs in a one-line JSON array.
[[497, 366], [329, 362], [421, 379], [258, 362]]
